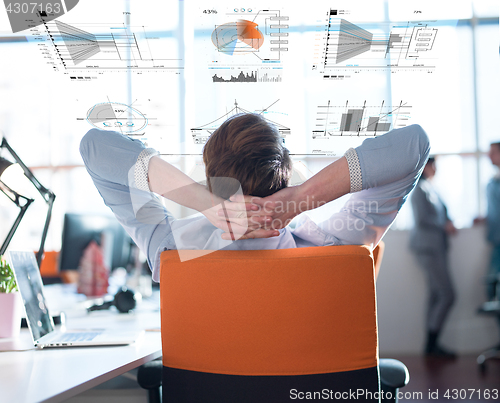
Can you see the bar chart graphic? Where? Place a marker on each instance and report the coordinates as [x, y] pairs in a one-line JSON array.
[[366, 120]]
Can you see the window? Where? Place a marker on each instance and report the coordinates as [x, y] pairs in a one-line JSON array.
[[177, 57]]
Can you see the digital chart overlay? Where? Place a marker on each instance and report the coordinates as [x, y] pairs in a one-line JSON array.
[[359, 120], [116, 116], [362, 47], [257, 75], [247, 36], [242, 36], [101, 46], [249, 45], [201, 134]]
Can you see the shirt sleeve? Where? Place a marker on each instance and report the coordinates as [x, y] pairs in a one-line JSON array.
[[142, 167], [355, 174], [384, 173], [118, 166]]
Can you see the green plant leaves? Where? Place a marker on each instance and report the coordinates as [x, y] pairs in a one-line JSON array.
[[7, 279]]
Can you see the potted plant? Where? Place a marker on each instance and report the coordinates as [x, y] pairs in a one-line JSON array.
[[10, 302]]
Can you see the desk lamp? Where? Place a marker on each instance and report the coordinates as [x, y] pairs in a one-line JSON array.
[[23, 202]]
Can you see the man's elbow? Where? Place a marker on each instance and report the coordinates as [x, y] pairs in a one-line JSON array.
[[88, 144], [420, 137], [420, 141]]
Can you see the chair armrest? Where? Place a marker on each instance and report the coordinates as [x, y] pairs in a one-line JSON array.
[[393, 373], [149, 375]]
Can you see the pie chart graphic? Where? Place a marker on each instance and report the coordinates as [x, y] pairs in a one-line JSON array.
[[116, 116], [240, 37]]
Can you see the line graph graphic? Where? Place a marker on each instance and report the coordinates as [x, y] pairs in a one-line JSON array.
[[100, 46], [345, 40], [248, 77], [350, 47], [258, 75], [201, 133], [81, 45], [359, 120]]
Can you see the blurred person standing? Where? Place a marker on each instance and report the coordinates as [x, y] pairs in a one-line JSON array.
[[429, 242], [493, 223], [492, 220]]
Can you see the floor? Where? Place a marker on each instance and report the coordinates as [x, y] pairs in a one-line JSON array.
[[438, 380]]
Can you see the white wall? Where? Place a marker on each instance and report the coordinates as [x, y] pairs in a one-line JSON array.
[[402, 297]]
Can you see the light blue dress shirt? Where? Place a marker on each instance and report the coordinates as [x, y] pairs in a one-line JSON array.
[[390, 166]]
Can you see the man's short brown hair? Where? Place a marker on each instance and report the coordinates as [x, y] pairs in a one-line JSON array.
[[247, 148]]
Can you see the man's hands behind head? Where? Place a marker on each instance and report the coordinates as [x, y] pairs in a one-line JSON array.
[[262, 216]]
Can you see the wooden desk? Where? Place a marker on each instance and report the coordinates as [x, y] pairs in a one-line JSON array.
[[53, 375]]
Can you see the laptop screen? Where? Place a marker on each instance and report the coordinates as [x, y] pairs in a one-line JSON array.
[[30, 286]]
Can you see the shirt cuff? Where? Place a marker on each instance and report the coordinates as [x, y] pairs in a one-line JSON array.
[[354, 170], [141, 168]]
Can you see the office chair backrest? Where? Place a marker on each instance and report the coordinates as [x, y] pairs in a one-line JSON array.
[[265, 321]]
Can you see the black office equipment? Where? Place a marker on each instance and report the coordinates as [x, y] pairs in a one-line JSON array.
[[80, 229], [124, 301], [491, 308], [23, 202]]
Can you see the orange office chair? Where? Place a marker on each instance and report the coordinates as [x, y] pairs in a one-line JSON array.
[[272, 326]]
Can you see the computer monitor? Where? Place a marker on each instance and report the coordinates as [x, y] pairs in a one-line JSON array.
[[80, 229]]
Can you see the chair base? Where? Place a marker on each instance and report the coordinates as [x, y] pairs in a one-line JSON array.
[[490, 354]]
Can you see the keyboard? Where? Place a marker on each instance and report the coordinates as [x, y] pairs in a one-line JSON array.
[[78, 336]]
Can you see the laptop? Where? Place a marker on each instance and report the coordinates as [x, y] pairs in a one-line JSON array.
[[40, 323]]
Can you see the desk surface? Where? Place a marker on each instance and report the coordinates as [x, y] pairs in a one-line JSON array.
[[53, 375]]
